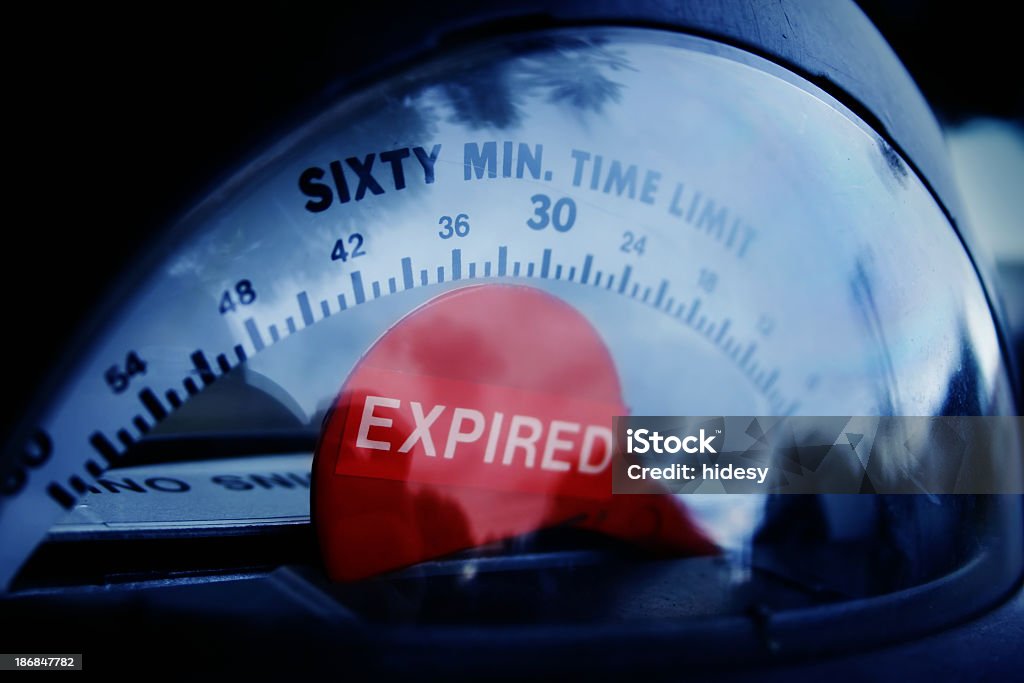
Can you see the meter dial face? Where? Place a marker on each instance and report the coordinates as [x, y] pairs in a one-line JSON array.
[[738, 241]]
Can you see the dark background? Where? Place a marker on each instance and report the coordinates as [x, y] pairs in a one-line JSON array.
[[119, 119]]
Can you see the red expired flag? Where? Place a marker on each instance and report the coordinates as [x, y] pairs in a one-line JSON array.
[[482, 415]]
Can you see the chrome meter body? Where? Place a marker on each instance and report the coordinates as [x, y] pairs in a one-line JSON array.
[[742, 240]]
